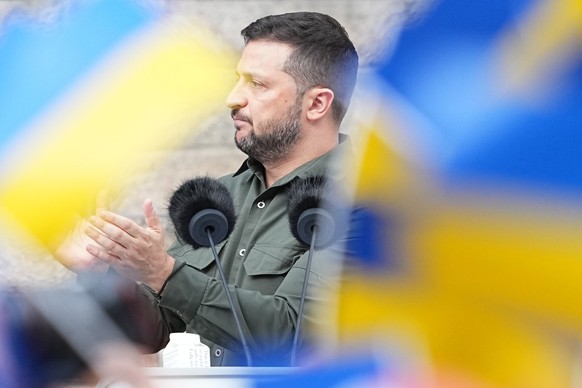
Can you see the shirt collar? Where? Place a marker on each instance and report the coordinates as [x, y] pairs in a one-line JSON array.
[[329, 164]]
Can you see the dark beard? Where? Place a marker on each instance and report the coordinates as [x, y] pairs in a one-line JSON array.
[[277, 141]]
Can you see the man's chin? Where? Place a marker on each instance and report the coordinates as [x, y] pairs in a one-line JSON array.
[[240, 142], [242, 134]]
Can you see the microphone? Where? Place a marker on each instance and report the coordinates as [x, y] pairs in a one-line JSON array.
[[313, 225], [202, 204], [202, 212]]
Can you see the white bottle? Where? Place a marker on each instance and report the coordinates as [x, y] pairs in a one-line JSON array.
[[186, 351]]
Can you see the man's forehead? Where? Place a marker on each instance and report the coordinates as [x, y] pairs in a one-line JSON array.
[[263, 56]]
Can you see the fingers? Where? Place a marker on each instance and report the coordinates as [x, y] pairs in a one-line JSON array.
[[151, 216], [116, 226], [107, 246], [105, 258], [105, 229], [120, 228]]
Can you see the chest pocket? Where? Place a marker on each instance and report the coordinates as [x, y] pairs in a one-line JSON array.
[[267, 259], [200, 258]]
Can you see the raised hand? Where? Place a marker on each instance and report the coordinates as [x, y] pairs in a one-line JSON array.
[[137, 253]]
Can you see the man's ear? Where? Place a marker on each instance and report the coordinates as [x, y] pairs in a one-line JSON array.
[[319, 101]]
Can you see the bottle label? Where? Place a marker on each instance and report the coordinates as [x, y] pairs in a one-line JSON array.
[[186, 354]]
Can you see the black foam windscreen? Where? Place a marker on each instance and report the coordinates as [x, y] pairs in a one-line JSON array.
[[200, 204], [310, 206]]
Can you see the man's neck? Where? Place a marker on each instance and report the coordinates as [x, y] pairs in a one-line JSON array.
[[301, 154], [275, 172]]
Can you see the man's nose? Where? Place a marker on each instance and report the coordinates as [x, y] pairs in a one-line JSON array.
[[236, 98]]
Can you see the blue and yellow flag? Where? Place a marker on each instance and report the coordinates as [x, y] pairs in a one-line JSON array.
[[470, 173], [84, 98]]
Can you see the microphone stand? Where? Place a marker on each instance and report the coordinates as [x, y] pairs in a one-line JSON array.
[[303, 293], [235, 311]]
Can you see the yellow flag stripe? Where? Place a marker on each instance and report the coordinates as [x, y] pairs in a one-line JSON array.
[[152, 88]]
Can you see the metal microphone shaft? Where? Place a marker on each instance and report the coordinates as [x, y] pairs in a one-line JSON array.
[[235, 311], [303, 293]]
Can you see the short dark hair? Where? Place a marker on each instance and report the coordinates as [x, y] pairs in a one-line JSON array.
[[323, 55]]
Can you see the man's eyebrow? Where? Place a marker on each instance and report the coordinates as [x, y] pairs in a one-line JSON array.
[[250, 75]]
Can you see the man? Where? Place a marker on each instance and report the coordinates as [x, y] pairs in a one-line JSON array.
[[295, 79]]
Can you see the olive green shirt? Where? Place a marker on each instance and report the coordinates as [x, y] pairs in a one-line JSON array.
[[265, 267]]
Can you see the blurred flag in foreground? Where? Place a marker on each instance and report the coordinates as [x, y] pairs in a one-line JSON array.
[[85, 97], [470, 173]]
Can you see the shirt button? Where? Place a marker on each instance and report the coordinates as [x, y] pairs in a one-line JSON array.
[[242, 252], [218, 353], [261, 205]]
